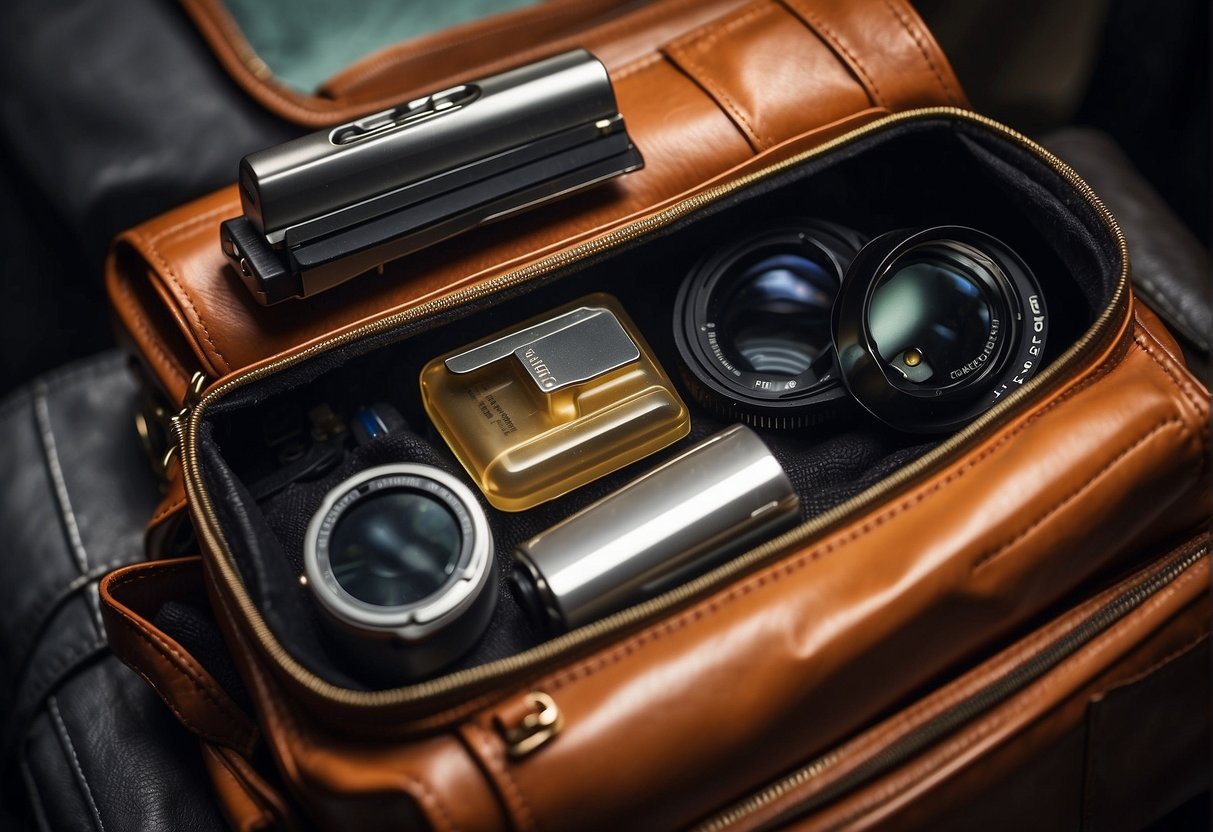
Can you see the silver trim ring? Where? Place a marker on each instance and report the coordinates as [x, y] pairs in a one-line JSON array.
[[421, 619]]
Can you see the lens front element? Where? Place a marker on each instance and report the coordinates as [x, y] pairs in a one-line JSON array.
[[777, 318], [395, 547], [933, 319]]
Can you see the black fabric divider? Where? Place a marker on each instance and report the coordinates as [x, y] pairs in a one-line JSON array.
[[924, 173]]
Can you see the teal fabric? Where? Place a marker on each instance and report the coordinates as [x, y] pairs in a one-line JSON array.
[[304, 42]]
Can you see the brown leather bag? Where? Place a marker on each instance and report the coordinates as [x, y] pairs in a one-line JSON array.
[[914, 648]]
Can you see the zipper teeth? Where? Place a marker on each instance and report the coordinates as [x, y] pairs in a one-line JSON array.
[[548, 651], [962, 712]]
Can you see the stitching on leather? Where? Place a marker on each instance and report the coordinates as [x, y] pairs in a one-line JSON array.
[[496, 762], [916, 35], [1181, 319], [151, 240], [1001, 714], [429, 797], [588, 668], [66, 512], [1183, 385], [167, 269], [181, 715], [58, 379], [688, 51], [65, 737], [827, 34], [179, 661], [991, 556], [933, 705], [636, 66], [151, 244], [42, 417], [166, 511], [42, 613], [152, 341]]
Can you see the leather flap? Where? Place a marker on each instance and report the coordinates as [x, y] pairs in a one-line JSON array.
[[733, 85]]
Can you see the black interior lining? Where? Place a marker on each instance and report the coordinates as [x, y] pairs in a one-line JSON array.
[[918, 174]]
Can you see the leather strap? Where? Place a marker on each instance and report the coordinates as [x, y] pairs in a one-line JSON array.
[[129, 598]]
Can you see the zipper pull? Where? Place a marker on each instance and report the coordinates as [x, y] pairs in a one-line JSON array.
[[529, 723]]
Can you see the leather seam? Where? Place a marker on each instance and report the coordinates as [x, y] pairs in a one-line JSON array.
[[1184, 387], [44, 613], [167, 510], [1154, 667], [1014, 706], [637, 66], [496, 762], [58, 379], [184, 718], [66, 738], [137, 319], [42, 417], [288, 726], [916, 36], [828, 35], [1156, 296], [178, 661], [67, 514], [991, 556], [1015, 654], [428, 796], [152, 240], [702, 610], [688, 50], [152, 245]]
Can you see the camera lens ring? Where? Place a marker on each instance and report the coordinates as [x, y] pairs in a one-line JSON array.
[[457, 602], [752, 325], [1014, 339]]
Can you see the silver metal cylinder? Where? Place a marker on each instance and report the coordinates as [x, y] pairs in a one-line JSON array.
[[717, 500]]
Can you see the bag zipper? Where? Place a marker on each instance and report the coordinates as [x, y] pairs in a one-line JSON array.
[[464, 680], [960, 714]]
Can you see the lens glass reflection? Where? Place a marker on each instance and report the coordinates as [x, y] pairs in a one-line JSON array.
[[395, 547], [777, 318], [930, 319]]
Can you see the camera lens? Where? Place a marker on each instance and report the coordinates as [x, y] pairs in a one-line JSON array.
[[752, 324], [932, 327], [400, 560], [395, 547], [777, 318]]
